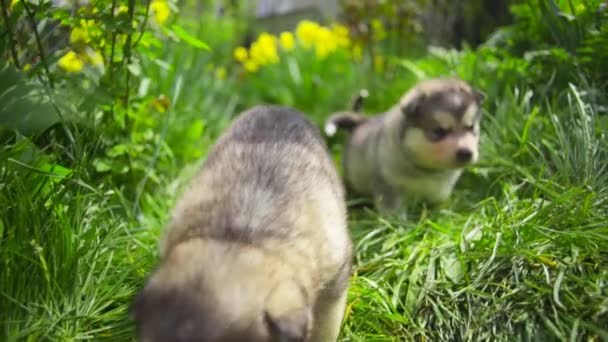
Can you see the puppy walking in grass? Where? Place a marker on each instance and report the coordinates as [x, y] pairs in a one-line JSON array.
[[257, 248], [417, 149]]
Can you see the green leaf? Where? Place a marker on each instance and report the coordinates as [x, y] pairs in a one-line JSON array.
[[25, 107], [414, 69], [56, 170], [188, 38], [118, 150], [102, 165]]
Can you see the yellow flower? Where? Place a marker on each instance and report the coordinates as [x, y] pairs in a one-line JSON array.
[[342, 35], [325, 42], [27, 67], [250, 66], [240, 54], [161, 11], [264, 50], [79, 35], [71, 62], [220, 73], [306, 31], [287, 41], [340, 30]]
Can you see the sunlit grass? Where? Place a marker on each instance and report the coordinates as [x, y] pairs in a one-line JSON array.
[[519, 253]]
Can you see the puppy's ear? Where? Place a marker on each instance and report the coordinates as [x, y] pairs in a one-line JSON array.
[[412, 107]]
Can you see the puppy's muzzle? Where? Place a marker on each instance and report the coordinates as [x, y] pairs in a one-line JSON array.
[[464, 155]]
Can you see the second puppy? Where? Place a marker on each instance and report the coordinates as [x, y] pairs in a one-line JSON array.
[[417, 149]]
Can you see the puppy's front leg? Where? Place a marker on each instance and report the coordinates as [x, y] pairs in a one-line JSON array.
[[329, 313], [330, 307]]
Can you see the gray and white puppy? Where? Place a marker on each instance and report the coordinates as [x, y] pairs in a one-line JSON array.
[[257, 248], [417, 149]]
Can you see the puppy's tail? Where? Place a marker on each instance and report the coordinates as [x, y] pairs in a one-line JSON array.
[[343, 120], [347, 120]]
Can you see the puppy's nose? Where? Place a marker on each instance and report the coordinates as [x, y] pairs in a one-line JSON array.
[[464, 155]]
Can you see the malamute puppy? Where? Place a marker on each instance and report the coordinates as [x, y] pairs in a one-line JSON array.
[[417, 149], [257, 248]]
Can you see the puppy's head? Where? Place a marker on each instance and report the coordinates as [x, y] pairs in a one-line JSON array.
[[210, 293], [441, 123]]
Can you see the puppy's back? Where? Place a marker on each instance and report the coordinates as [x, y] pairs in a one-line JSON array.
[[270, 161]]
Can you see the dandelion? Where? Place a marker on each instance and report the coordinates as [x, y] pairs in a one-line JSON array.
[[342, 35], [306, 31], [240, 54], [251, 66], [325, 42], [340, 30], [71, 62], [287, 41], [161, 11], [264, 50]]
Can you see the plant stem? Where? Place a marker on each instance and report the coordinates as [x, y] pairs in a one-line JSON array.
[[111, 61], [143, 25], [127, 52], [9, 30], [30, 16]]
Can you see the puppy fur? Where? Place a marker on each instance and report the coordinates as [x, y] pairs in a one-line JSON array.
[[416, 151], [257, 248]]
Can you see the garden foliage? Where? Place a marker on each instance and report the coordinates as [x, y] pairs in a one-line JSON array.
[[107, 109]]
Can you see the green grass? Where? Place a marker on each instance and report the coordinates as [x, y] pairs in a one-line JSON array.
[[519, 253]]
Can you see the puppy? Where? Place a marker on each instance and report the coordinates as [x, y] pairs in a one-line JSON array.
[[257, 248], [415, 151]]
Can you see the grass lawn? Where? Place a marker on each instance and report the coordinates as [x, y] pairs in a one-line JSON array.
[[520, 252]]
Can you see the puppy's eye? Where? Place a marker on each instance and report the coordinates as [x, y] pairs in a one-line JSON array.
[[439, 133], [470, 128]]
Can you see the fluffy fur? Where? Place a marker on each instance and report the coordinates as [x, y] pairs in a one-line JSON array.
[[417, 149], [257, 248]]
